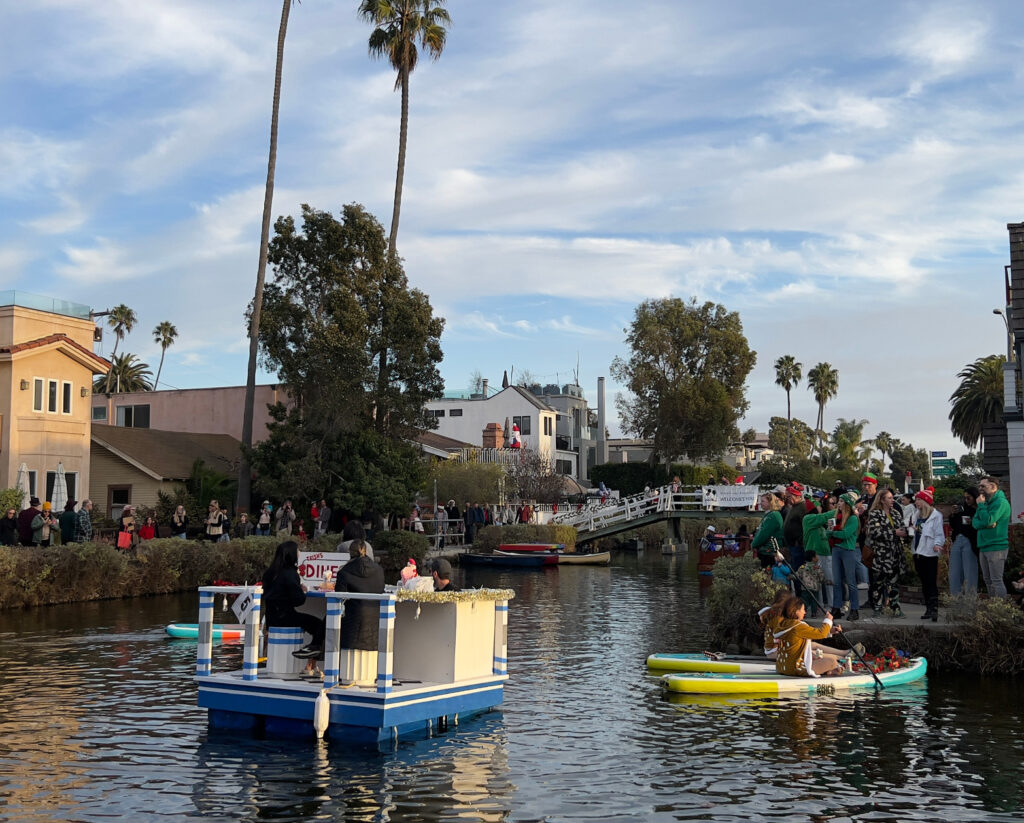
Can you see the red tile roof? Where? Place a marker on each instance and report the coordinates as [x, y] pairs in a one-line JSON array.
[[49, 340]]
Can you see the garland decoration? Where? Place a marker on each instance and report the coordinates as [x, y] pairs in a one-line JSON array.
[[465, 596]]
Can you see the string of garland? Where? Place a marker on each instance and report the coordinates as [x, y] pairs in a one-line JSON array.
[[466, 596]]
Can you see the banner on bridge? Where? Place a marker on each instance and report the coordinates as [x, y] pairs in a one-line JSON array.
[[730, 497]]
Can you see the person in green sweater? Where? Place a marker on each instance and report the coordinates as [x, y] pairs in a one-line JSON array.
[[992, 520], [845, 555], [771, 526]]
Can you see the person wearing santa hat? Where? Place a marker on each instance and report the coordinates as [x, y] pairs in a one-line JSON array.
[[929, 542]]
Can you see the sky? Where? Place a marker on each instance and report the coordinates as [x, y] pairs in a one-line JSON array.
[[840, 174]]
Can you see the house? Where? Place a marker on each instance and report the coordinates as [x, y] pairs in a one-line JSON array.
[[131, 465], [746, 457], [47, 366], [216, 410]]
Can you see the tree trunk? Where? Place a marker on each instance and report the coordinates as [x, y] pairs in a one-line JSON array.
[[245, 470], [403, 134], [789, 425], [160, 368]]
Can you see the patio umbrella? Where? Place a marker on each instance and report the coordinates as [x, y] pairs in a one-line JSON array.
[[60, 490], [23, 485], [508, 431]]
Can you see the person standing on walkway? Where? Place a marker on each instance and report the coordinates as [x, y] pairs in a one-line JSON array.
[[179, 523], [885, 533], [284, 519], [929, 542], [963, 554], [9, 529], [83, 524], [214, 522], [25, 521], [793, 527], [992, 520], [263, 519], [67, 522], [768, 537], [845, 555], [323, 518]]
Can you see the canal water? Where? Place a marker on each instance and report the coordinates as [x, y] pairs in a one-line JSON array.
[[98, 722]]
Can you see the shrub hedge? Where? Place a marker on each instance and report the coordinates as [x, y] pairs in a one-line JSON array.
[[98, 571], [490, 537]]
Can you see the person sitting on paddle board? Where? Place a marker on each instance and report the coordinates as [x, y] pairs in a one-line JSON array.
[[771, 618], [796, 655]]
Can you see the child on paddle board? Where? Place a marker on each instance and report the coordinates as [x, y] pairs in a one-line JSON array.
[[796, 655]]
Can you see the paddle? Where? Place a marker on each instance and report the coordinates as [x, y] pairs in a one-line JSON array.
[[792, 576]]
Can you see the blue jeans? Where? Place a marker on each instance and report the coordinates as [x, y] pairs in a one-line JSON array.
[[963, 567], [844, 570]]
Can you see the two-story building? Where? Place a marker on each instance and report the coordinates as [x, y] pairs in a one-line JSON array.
[[47, 367]]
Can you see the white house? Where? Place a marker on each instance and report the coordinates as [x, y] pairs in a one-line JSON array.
[[466, 418]]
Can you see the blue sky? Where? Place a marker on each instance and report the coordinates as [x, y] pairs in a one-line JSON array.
[[840, 174]]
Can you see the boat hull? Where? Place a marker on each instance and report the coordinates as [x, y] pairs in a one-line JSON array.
[[190, 631], [775, 684], [566, 558], [531, 547], [509, 561], [703, 663]]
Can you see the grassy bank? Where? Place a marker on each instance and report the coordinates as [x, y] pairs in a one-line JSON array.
[[99, 571]]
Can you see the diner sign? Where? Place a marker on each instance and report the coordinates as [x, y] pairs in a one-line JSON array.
[[313, 566]]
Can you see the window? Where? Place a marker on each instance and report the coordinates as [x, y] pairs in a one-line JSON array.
[[563, 467], [65, 397], [117, 498], [547, 425], [70, 478], [37, 394], [99, 413], [51, 405], [133, 417], [523, 423], [32, 483], [455, 413]]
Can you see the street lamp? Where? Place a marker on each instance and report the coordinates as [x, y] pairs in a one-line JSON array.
[[1009, 335]]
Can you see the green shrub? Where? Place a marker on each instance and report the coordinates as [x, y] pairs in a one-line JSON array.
[[490, 537], [739, 590], [392, 549], [10, 499]]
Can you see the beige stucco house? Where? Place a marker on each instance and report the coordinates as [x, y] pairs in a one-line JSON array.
[[47, 367]]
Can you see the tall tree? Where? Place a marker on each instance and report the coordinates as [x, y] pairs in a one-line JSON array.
[[165, 334], [823, 381], [336, 301], [852, 450], [792, 437], [399, 26], [687, 375], [787, 375], [122, 320], [978, 400], [884, 443], [127, 374], [256, 310]]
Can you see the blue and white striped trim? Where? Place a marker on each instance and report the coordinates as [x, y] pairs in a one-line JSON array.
[[501, 608]]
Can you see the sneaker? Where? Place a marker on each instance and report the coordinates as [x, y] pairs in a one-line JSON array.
[[897, 612], [853, 615], [862, 587], [307, 652]]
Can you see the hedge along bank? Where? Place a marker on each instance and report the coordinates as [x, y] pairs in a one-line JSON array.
[[76, 572]]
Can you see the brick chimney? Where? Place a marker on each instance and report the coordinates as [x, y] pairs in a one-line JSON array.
[[494, 436]]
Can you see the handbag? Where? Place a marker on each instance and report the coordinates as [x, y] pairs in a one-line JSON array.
[[124, 540]]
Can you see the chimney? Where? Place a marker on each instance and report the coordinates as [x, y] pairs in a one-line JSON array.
[[601, 456], [493, 436], [486, 381]]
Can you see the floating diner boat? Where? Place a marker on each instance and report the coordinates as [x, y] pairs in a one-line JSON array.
[[774, 684], [441, 658], [219, 631]]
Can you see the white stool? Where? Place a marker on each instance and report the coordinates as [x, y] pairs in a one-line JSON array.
[[358, 667], [281, 642]]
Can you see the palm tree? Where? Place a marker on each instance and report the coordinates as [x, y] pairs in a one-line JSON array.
[[884, 443], [823, 380], [122, 320], [399, 25], [244, 470], [978, 400], [787, 374], [848, 440], [127, 374], [164, 334]]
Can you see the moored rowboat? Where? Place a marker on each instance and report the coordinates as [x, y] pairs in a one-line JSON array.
[[566, 558], [223, 631], [531, 547], [773, 684]]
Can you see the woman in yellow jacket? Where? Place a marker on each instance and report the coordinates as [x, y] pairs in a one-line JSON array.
[[795, 643]]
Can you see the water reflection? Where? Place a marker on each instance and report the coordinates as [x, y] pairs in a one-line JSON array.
[[100, 721]]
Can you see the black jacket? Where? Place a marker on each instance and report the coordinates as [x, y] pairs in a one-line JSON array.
[[362, 617], [9, 531], [957, 525], [281, 594]]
